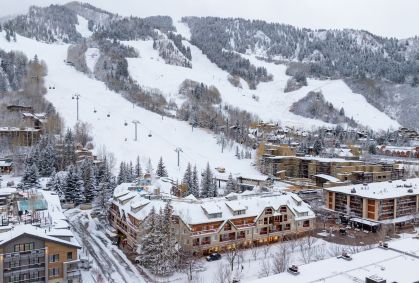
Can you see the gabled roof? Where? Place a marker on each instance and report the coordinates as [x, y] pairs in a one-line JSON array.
[[32, 231]]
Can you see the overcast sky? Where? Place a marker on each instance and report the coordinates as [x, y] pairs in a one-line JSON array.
[[398, 18]]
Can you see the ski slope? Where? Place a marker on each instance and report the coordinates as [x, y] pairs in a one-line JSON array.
[[199, 146], [271, 103]]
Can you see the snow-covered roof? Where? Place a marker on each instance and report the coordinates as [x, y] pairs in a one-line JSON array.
[[4, 163], [236, 205], [193, 211], [328, 178], [211, 208], [398, 265], [314, 158], [30, 230], [381, 190]]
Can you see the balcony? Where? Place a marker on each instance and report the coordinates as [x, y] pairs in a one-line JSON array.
[[73, 274], [197, 233], [246, 225], [228, 237]]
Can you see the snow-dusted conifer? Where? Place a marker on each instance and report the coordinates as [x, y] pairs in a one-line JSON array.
[[161, 168]]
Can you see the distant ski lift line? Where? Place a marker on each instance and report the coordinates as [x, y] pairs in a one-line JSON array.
[[142, 124]]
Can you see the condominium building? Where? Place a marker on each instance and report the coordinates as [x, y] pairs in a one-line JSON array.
[[216, 224], [386, 202], [344, 170], [30, 254]]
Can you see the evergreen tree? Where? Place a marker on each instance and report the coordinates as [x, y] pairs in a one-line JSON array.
[[161, 169], [122, 175], [151, 242], [138, 169], [169, 254], [208, 186], [231, 185], [194, 190], [30, 177], [69, 150], [317, 147], [187, 178], [105, 187], [47, 158], [71, 184], [88, 177]]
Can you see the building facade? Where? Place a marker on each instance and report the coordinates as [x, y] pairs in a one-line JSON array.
[[32, 256], [395, 202], [217, 224]]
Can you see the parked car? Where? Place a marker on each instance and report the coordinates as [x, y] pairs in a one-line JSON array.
[[213, 256], [137, 259]]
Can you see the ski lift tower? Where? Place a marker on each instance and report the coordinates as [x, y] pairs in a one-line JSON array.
[[178, 151], [136, 122], [77, 97]]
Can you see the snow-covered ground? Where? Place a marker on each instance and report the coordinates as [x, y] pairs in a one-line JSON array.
[[199, 146], [272, 103], [82, 27], [92, 55]]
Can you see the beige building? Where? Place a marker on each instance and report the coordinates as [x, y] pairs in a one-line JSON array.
[[28, 254], [209, 225], [386, 202]]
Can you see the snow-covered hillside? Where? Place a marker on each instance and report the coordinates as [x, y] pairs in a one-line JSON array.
[[199, 146], [269, 101]]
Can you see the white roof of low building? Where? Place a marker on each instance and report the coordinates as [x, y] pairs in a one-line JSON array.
[[328, 178], [399, 265], [381, 190], [4, 163]]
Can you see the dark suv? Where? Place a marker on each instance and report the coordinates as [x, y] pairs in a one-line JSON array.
[[213, 256]]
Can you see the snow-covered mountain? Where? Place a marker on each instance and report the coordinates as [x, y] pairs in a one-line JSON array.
[[133, 68]]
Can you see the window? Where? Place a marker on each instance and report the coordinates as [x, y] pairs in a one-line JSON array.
[[283, 209], [70, 281], [268, 211], [287, 227], [53, 272], [306, 223], [69, 256], [54, 258], [24, 247], [285, 217], [29, 246], [265, 220]]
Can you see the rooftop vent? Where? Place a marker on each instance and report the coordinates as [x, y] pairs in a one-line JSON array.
[[410, 190], [353, 191]]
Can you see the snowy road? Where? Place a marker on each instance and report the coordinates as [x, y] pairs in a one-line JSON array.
[[108, 260]]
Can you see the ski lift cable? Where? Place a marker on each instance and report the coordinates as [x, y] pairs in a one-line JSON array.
[[188, 156]]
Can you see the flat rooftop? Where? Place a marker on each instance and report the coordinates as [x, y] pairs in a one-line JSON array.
[[397, 264], [381, 190]]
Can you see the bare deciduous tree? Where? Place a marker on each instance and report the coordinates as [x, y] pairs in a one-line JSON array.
[[280, 259]]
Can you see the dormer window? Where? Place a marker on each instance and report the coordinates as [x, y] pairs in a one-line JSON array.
[[215, 215]]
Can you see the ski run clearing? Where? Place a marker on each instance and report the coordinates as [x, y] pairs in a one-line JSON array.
[[157, 135]]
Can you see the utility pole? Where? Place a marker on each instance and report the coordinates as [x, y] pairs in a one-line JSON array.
[[77, 97], [178, 150], [136, 122]]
